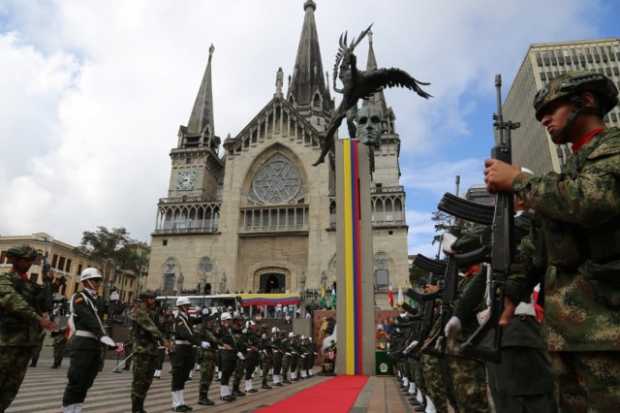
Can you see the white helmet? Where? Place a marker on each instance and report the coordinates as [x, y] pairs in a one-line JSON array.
[[214, 310], [89, 273], [275, 330], [183, 301], [249, 324], [291, 334], [303, 337], [225, 316]]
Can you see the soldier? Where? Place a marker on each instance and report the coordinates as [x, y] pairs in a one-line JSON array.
[[36, 352], [266, 357], [59, 341], [89, 337], [286, 357], [580, 212], [251, 355], [227, 355], [166, 320], [207, 357], [278, 353], [182, 357], [21, 321], [237, 331], [146, 338]]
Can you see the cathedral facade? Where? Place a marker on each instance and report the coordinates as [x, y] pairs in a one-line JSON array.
[[258, 216]]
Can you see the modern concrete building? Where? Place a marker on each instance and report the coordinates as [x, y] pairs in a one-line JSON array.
[[532, 146], [260, 217]]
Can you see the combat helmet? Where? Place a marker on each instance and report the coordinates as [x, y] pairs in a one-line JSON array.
[[147, 294], [574, 82], [23, 251]]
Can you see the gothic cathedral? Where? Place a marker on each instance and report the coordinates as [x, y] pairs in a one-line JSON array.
[[257, 216]]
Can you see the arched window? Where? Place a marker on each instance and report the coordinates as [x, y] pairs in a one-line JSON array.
[[316, 101], [382, 272]]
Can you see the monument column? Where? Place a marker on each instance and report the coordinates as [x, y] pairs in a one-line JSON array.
[[355, 311]]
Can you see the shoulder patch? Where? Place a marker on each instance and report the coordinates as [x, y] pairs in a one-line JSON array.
[[79, 300]]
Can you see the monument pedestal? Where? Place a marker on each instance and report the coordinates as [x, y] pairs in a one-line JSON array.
[[355, 315]]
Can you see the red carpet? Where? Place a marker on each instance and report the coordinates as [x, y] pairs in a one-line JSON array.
[[336, 395]]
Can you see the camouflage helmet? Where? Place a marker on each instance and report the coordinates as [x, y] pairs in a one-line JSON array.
[[147, 294], [23, 251], [572, 83]]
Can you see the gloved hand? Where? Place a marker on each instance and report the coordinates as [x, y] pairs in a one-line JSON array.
[[447, 240], [453, 328], [107, 340], [241, 356], [205, 345]]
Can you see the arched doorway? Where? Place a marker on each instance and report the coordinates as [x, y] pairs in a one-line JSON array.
[[272, 282]]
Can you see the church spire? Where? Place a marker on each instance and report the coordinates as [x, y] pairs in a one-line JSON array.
[[378, 98], [308, 84], [201, 120]]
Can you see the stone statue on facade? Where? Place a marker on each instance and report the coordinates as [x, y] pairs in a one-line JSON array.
[[360, 84], [279, 82]]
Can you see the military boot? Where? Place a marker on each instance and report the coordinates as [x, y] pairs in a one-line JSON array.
[[266, 386], [137, 405], [203, 397]]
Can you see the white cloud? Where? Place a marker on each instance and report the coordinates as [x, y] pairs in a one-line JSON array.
[[93, 92], [440, 177]]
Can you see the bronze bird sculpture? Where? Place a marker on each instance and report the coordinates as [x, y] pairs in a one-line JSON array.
[[360, 84]]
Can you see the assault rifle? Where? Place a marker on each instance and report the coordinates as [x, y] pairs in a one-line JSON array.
[[502, 240]]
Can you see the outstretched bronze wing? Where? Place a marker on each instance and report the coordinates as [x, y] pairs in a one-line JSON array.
[[373, 81]]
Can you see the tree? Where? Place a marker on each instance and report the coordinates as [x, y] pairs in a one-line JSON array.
[[115, 250]]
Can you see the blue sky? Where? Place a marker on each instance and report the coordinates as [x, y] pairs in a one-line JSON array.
[[93, 92]]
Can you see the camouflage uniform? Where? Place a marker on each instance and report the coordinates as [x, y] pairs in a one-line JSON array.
[[20, 306], [266, 360], [240, 363], [434, 385], [207, 358], [580, 210], [145, 337], [470, 389]]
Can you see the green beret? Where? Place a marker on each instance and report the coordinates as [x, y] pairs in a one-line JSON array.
[[23, 251]]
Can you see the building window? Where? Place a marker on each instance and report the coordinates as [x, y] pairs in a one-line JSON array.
[[382, 273], [61, 263], [616, 71], [613, 116], [538, 59], [54, 260], [164, 242], [79, 270], [3, 257], [543, 76], [68, 266]]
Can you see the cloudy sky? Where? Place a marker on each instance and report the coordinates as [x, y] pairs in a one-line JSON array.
[[93, 92]]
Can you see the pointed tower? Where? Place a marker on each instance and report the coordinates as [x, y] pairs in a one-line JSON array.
[[378, 99], [196, 165], [201, 120], [307, 89], [200, 129], [387, 168]]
